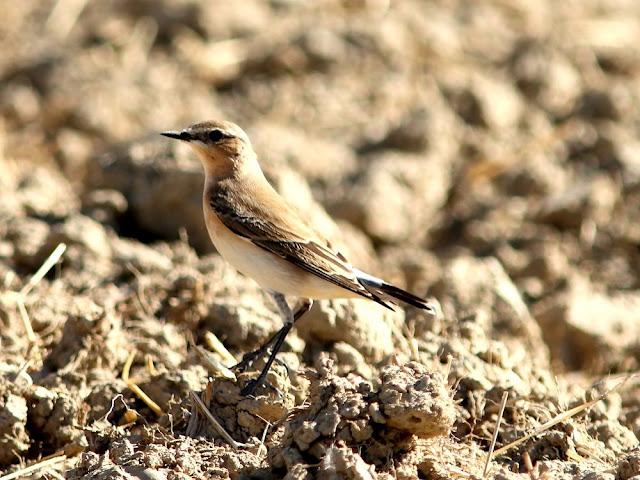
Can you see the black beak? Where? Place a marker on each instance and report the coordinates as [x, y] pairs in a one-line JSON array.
[[178, 135]]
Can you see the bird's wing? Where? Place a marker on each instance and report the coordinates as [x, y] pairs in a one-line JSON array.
[[277, 228]]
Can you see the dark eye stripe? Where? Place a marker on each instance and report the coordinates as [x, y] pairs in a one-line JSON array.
[[215, 135]]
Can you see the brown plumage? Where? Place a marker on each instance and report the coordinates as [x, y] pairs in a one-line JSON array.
[[256, 231], [279, 230]]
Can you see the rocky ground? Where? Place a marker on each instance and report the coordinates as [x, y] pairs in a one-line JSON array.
[[482, 153]]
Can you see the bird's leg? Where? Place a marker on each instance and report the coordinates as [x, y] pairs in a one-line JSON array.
[[285, 313], [278, 338], [250, 357]]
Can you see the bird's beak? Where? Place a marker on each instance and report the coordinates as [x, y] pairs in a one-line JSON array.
[[183, 135]]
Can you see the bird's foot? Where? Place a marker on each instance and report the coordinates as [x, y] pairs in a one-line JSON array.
[[277, 341], [250, 357], [252, 386]]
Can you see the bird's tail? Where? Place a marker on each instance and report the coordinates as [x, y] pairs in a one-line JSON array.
[[385, 291]]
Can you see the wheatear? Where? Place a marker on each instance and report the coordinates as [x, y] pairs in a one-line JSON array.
[[257, 232]]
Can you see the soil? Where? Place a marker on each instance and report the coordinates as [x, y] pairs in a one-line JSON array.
[[484, 154]]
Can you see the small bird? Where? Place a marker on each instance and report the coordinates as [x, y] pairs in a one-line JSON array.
[[263, 237]]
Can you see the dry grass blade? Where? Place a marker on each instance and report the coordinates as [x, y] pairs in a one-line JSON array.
[[23, 368], [503, 404], [33, 281], [151, 368], [64, 16], [145, 398], [26, 321], [213, 365], [217, 346], [562, 417], [44, 269], [126, 370], [216, 425], [528, 465], [23, 472]]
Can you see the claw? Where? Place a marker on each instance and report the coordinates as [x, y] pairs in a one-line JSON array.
[[251, 387]]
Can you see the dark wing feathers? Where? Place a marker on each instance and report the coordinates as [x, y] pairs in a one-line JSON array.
[[303, 256], [283, 233]]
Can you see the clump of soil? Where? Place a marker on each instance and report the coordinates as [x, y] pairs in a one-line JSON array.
[[481, 153]]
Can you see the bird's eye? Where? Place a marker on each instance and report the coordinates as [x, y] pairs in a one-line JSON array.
[[215, 135]]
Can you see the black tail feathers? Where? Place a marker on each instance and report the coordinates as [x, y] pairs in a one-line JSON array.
[[382, 291], [406, 297]]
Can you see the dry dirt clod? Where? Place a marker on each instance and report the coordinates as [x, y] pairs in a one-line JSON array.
[[163, 188], [487, 102], [104, 206], [58, 418], [84, 232], [342, 462], [14, 439], [410, 401], [29, 237], [629, 465], [363, 325], [242, 321], [415, 400], [46, 193], [393, 198], [576, 329]]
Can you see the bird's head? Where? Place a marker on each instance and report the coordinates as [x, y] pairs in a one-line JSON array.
[[223, 147]]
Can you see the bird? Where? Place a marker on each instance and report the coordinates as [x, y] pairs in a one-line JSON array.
[[255, 230]]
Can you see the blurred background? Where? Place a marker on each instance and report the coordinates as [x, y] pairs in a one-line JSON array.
[[483, 152]]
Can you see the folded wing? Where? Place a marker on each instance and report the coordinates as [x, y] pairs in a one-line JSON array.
[[278, 229]]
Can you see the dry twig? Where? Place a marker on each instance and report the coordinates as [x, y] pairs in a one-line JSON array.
[[214, 423], [44, 463], [217, 346], [126, 369], [503, 404], [37, 277], [562, 417]]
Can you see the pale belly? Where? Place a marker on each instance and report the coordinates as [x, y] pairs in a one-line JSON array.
[[268, 270]]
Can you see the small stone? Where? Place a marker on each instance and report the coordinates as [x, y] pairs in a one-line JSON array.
[[416, 400]]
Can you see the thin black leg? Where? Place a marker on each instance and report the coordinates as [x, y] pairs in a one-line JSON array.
[[287, 317], [251, 386], [250, 357]]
